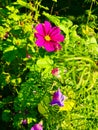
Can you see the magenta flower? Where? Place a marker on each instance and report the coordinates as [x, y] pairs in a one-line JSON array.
[[37, 127], [58, 98], [55, 72], [48, 37], [24, 122]]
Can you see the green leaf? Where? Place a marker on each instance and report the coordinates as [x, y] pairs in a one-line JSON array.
[[44, 62], [14, 16], [92, 40], [62, 22], [1, 104], [25, 4], [10, 53], [10, 8], [43, 106], [68, 105], [42, 109], [6, 115]]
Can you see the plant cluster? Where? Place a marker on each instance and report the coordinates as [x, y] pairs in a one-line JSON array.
[[48, 67]]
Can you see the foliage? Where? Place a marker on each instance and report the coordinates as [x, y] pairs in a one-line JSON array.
[[26, 81]]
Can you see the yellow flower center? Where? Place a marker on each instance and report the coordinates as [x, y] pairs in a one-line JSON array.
[[47, 38]]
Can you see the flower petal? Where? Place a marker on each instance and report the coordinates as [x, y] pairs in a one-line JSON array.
[[55, 31], [37, 127], [57, 37], [47, 27], [32, 128], [55, 72], [58, 98], [40, 29], [40, 41], [55, 102], [61, 104], [49, 46], [57, 47], [37, 35]]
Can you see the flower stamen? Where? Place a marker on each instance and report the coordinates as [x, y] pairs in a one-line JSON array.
[[47, 38]]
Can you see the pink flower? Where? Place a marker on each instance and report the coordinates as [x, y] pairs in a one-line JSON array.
[[37, 127], [28, 56], [24, 122], [48, 37], [55, 72]]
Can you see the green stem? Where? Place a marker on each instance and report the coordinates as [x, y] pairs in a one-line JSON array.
[[81, 78], [84, 59], [89, 14]]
